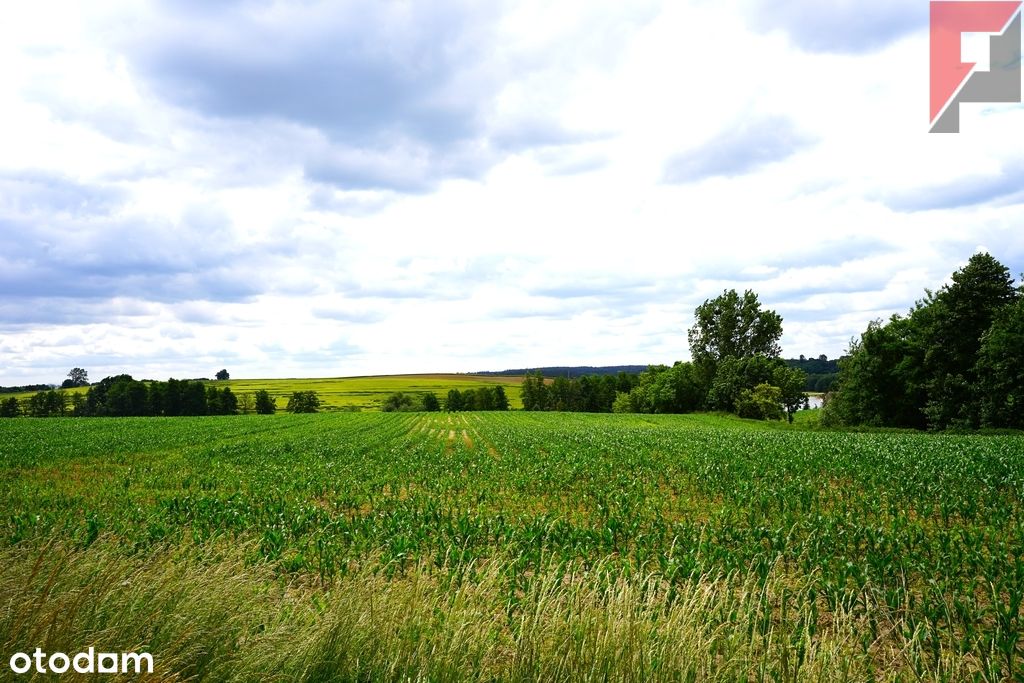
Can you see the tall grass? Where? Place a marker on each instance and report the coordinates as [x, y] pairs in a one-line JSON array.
[[208, 613]]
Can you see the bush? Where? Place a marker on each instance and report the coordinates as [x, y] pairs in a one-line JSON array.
[[763, 403], [398, 403], [10, 408], [303, 402], [623, 403], [265, 404]]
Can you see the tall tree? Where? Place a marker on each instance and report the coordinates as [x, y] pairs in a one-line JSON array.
[[303, 402], [500, 399], [1000, 370], [10, 408], [265, 404], [960, 314], [77, 378], [733, 326], [430, 402]]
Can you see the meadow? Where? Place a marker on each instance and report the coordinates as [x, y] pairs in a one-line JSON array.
[[513, 546], [359, 393], [368, 393]]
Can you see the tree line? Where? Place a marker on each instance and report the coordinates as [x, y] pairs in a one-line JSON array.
[[480, 398], [954, 361], [821, 372], [589, 393], [736, 368], [124, 396]]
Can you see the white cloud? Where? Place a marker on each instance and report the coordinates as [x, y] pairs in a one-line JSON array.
[[325, 191]]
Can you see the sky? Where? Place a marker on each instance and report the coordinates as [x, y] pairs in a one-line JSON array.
[[302, 189]]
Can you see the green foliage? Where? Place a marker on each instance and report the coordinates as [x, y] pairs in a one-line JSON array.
[[245, 403], [76, 378], [663, 389], [500, 398], [225, 403], [49, 404], [123, 396], [586, 394], [398, 403], [265, 404], [763, 402], [623, 403], [303, 402], [735, 348], [481, 398], [534, 392], [733, 326], [791, 383], [10, 407], [430, 404], [1000, 369], [223, 375], [929, 368], [735, 376], [821, 372]]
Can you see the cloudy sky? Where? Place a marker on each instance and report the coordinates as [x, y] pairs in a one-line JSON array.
[[339, 188]]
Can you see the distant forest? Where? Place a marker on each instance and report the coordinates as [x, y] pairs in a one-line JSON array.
[[573, 372], [821, 372], [25, 389]]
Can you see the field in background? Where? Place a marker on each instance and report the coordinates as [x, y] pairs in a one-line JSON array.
[[362, 393], [513, 546], [368, 393]]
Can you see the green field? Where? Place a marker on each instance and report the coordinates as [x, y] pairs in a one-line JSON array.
[[360, 393], [513, 546], [367, 393]]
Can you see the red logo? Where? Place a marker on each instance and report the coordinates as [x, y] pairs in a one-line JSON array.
[[954, 81]]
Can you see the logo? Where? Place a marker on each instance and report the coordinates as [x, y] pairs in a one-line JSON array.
[[86, 662], [954, 81]]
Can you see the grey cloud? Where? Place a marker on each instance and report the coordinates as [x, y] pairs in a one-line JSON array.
[[1005, 187], [737, 151], [357, 70], [33, 193], [100, 252], [378, 80], [401, 95], [32, 310], [534, 133], [841, 26], [833, 252], [357, 204], [396, 169], [348, 314]]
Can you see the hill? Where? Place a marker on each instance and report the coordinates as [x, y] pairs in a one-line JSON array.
[[567, 371]]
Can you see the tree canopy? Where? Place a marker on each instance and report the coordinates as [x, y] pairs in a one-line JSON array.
[[953, 361], [733, 326]]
